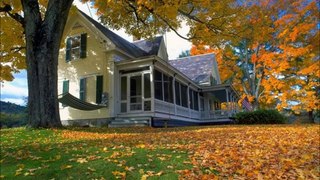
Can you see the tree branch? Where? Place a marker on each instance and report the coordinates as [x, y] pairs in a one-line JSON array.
[[7, 8], [168, 24], [17, 49]]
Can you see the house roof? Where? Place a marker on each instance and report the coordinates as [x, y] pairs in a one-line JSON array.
[[198, 68], [150, 46], [119, 42]]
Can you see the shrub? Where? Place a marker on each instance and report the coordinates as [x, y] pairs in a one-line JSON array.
[[260, 117]]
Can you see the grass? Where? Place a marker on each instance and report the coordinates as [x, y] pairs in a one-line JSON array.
[[273, 151]]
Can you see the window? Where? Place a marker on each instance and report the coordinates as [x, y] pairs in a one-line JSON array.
[[158, 85], [177, 90], [76, 47], [82, 90], [99, 89]]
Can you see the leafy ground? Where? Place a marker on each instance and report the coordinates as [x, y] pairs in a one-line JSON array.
[[236, 152]]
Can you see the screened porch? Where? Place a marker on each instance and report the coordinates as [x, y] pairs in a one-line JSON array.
[[153, 92]]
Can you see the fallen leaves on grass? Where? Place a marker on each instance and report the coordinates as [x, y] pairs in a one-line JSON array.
[[232, 151], [219, 152]]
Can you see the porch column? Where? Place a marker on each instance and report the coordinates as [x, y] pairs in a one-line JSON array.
[[112, 93], [174, 94], [152, 86]]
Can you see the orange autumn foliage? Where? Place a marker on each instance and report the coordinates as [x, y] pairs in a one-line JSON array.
[[273, 58]]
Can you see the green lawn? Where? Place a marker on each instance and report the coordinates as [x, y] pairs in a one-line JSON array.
[[147, 153]]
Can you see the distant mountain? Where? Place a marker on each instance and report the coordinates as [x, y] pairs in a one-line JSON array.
[[11, 108]]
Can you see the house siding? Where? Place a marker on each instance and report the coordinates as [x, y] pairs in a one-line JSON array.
[[94, 64]]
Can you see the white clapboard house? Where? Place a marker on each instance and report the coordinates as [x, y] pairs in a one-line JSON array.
[[105, 80]]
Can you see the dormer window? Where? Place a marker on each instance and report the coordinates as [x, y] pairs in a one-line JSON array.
[[76, 47]]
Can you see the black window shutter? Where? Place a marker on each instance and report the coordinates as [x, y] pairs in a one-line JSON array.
[[82, 89], [68, 50], [99, 89], [83, 50], [65, 89]]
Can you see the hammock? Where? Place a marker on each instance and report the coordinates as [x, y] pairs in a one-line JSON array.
[[76, 103]]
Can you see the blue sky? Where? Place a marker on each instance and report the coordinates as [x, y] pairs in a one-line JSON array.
[[17, 90]]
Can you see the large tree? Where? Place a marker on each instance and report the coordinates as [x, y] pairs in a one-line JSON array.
[[39, 34], [273, 59], [31, 31]]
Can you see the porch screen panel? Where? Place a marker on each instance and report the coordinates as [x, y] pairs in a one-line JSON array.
[[135, 93], [191, 100], [167, 88], [123, 94], [158, 85], [147, 86], [201, 104], [184, 95], [177, 91], [124, 88], [196, 102], [147, 92]]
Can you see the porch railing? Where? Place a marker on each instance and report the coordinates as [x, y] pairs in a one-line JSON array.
[[216, 114], [164, 107]]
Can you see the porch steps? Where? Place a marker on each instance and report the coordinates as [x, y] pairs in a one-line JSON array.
[[130, 122]]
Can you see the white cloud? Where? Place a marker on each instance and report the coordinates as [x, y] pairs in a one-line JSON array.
[[15, 101], [13, 90], [175, 44]]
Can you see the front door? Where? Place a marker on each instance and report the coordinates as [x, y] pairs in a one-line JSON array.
[[135, 93]]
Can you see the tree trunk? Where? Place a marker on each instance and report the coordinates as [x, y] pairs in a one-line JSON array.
[[42, 49]]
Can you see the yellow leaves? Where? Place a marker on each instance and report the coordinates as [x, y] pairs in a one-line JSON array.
[[144, 177], [129, 168], [81, 160], [66, 166], [147, 174], [141, 146], [19, 170], [119, 174], [91, 169]]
